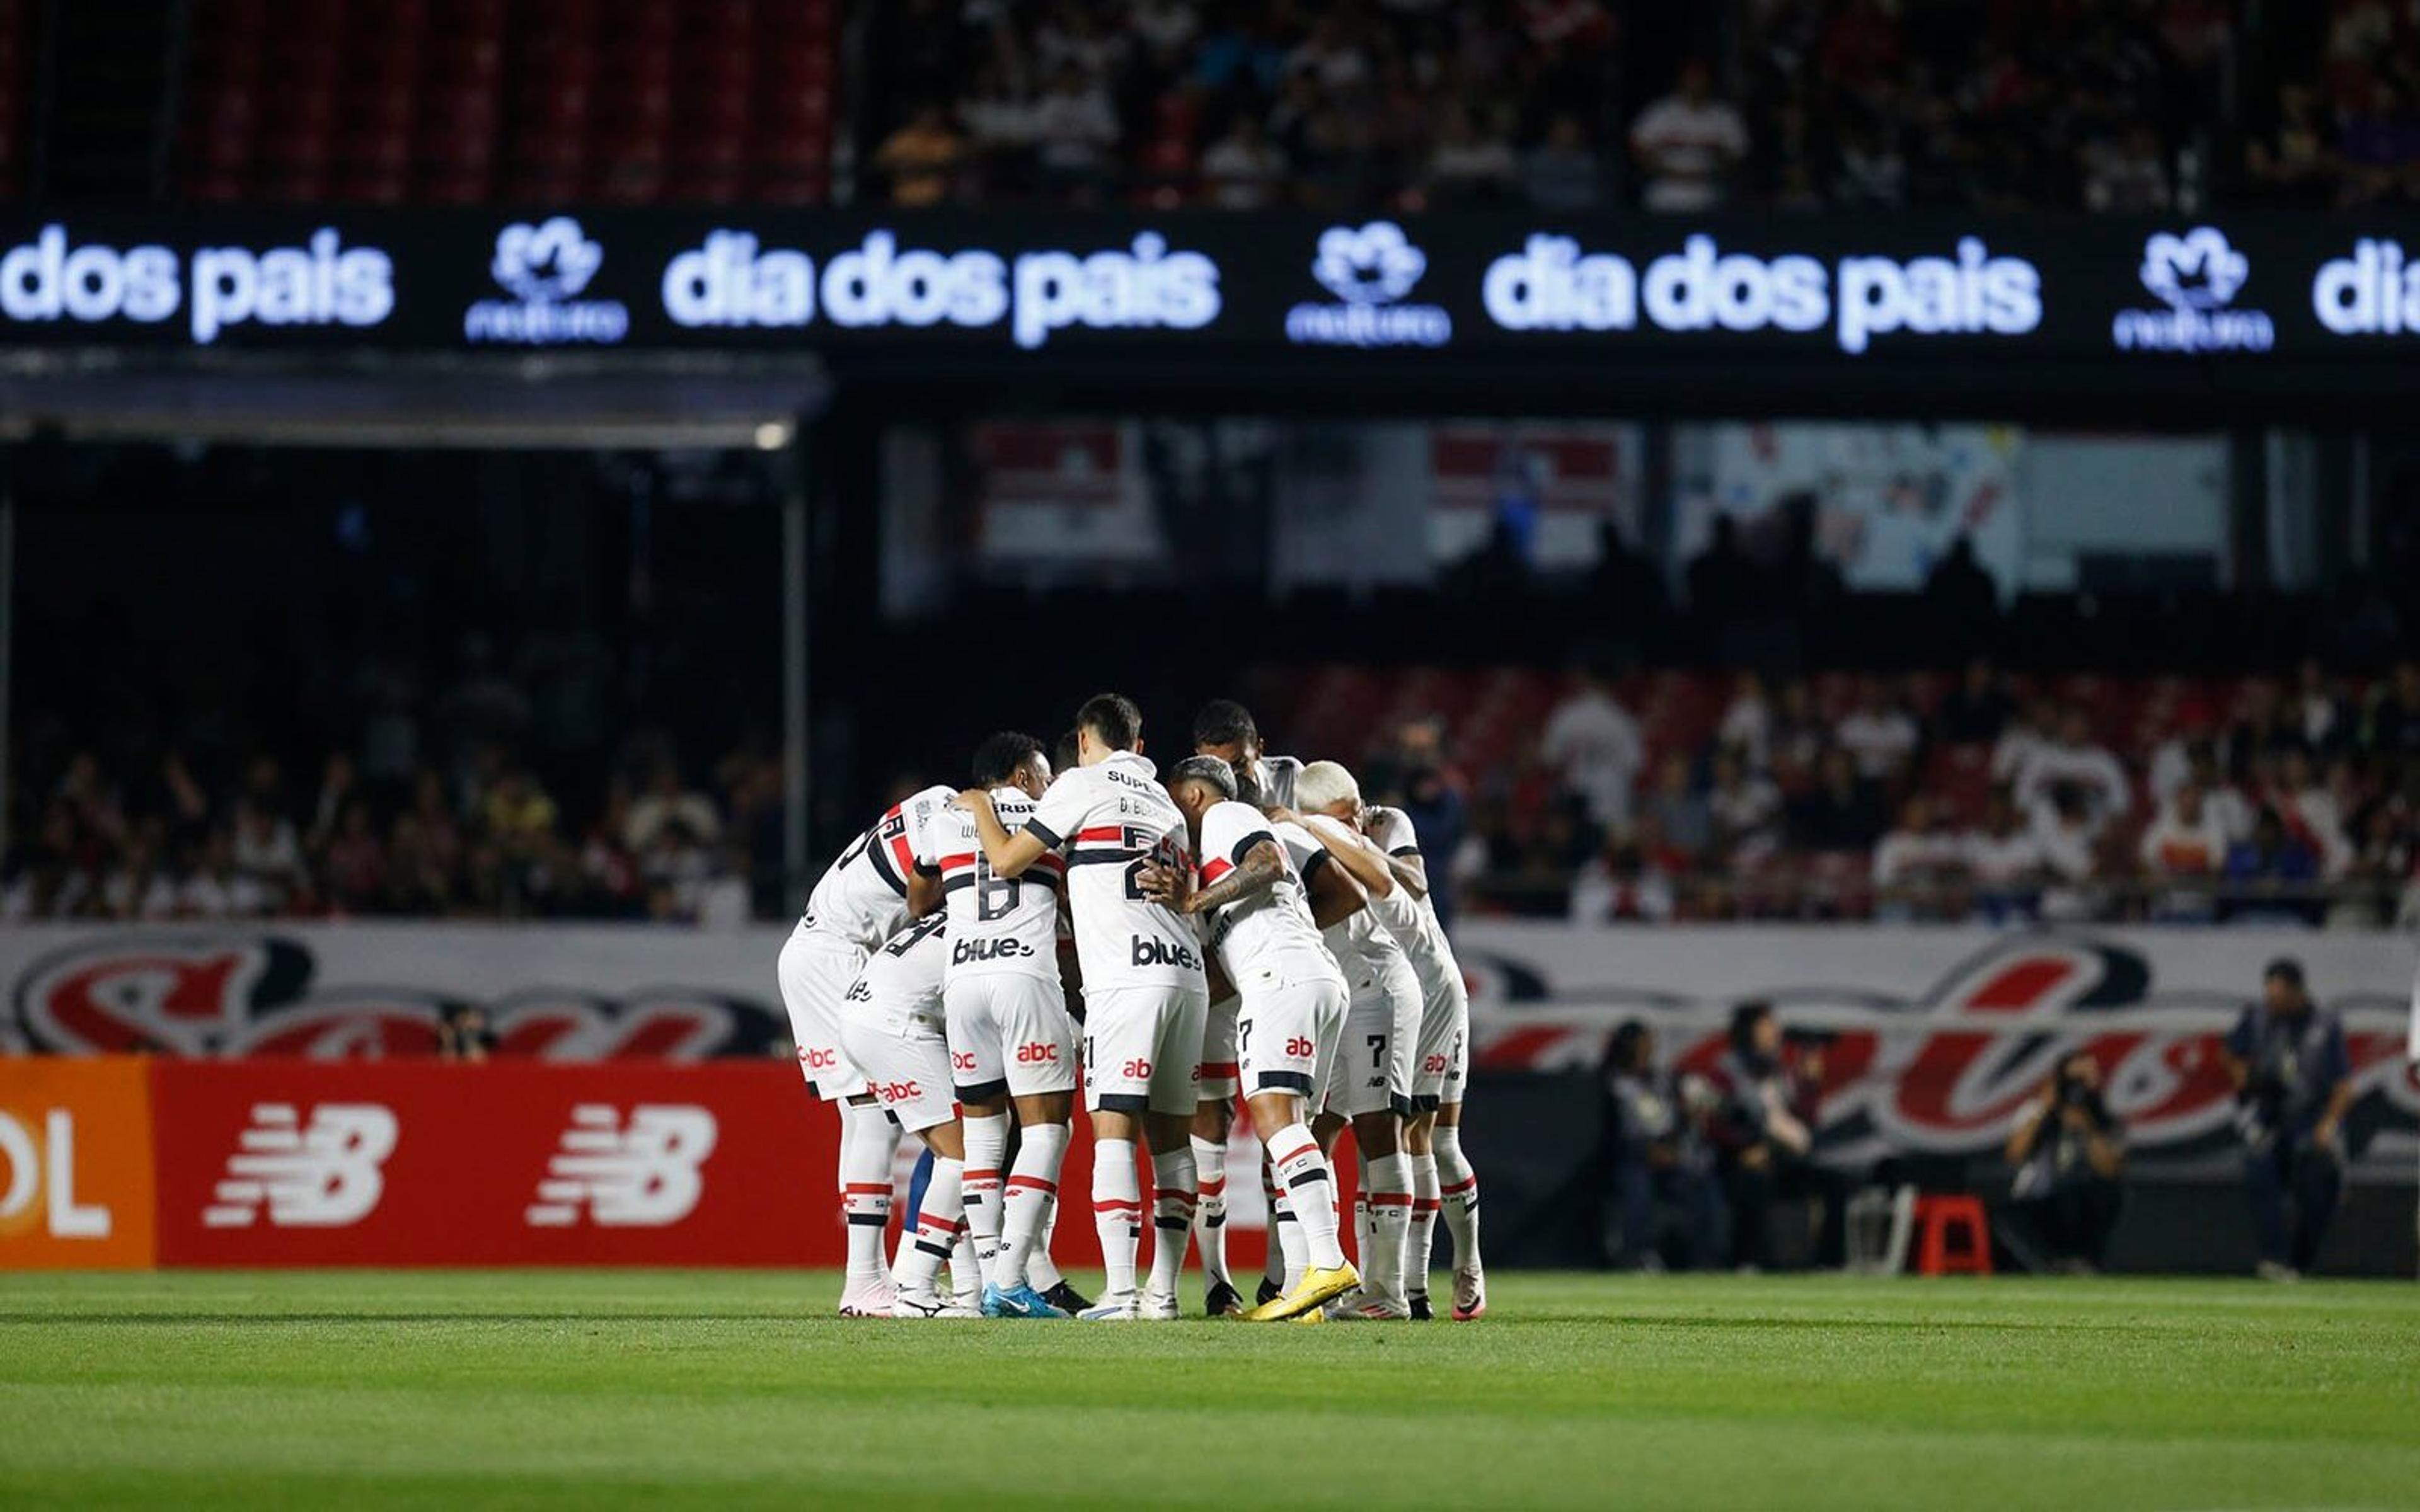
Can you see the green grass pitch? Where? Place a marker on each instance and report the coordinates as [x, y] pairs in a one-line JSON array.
[[596, 1389]]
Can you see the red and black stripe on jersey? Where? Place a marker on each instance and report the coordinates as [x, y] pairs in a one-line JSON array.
[[886, 849], [1109, 844], [962, 871], [1217, 867]]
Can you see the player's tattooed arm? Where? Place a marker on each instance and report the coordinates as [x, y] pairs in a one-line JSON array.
[[1009, 854], [1260, 870]]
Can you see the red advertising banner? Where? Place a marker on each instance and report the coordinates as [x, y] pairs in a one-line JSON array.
[[285, 1162], [292, 1162]]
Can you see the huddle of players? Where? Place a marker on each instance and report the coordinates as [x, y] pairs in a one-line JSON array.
[[1247, 925]]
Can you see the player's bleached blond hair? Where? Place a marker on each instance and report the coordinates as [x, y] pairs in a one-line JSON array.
[[1322, 784]]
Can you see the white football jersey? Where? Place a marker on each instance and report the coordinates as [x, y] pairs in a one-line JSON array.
[[1268, 931], [1111, 820], [997, 924], [1275, 777], [863, 895], [1391, 828], [901, 984], [1360, 942]]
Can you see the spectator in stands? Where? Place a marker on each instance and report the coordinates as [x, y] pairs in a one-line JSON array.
[[1976, 710], [2068, 1156], [1679, 810], [267, 855], [1844, 813], [1878, 734], [1242, 169], [1745, 807], [1074, 130], [2293, 1078], [1963, 598], [1746, 728], [353, 861], [2272, 876], [2074, 760], [2309, 808], [1562, 172], [140, 887], [518, 814], [1627, 881], [2321, 705], [2066, 835], [1920, 868], [1688, 144], [922, 159], [1657, 1160], [667, 802], [1723, 578], [2004, 860], [2185, 843], [2393, 726], [1003, 123], [1768, 1094], [1593, 743], [2378, 143]]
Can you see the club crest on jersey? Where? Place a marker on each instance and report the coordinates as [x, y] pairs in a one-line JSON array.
[[1156, 952], [964, 951]]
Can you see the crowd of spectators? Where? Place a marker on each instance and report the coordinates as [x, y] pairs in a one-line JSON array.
[[2291, 800], [2143, 105], [489, 840]]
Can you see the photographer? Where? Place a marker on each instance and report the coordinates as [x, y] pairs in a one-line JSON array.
[[1656, 1149], [2068, 1150], [1769, 1086], [2293, 1081], [462, 1033]]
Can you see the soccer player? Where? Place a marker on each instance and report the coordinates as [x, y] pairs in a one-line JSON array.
[[1292, 1008], [1145, 993], [1010, 1036], [1384, 1024], [1433, 1136], [1224, 729], [890, 1023], [867, 895]]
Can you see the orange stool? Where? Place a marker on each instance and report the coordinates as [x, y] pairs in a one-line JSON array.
[[1936, 1217]]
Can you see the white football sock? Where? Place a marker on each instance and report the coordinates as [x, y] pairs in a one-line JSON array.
[[1040, 1268], [1389, 1202], [1311, 1190], [868, 1142], [1422, 1240], [986, 1142], [1117, 1211], [1032, 1182], [1174, 1193], [936, 1232], [1458, 1191], [1210, 1218]]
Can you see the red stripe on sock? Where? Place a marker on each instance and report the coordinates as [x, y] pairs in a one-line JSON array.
[[863, 1189], [1115, 1205], [1462, 1185], [1391, 1199], [982, 1176], [1426, 1204], [947, 1225], [1217, 1183], [1297, 1154], [1034, 1183]]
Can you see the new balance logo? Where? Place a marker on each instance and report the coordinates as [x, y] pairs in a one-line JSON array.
[[644, 1174], [322, 1174], [1154, 953], [969, 950]]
